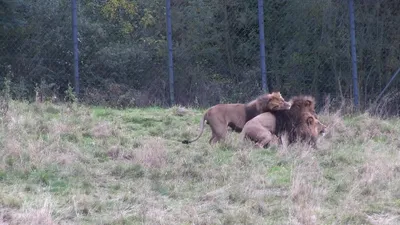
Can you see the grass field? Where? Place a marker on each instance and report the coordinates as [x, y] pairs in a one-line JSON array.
[[80, 165]]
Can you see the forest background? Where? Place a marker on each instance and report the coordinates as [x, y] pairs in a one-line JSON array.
[[123, 50]]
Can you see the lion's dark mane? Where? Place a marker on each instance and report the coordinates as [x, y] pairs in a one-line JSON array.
[[288, 120]]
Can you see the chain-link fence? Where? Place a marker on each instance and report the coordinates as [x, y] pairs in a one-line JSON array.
[[123, 53], [216, 51], [35, 50]]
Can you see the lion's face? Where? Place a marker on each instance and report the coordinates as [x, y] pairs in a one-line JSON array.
[[315, 126], [274, 102]]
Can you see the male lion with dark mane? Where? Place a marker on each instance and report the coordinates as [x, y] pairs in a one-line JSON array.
[[300, 122], [222, 116], [309, 129]]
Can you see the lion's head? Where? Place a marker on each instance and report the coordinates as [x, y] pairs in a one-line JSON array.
[[313, 125], [273, 102]]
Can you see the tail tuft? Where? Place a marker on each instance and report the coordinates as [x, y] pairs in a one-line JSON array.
[[185, 142]]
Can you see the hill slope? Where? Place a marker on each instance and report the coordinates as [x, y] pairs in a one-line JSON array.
[[79, 165]]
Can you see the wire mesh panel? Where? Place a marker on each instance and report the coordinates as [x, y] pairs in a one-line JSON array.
[[216, 50], [34, 50], [123, 52], [308, 47]]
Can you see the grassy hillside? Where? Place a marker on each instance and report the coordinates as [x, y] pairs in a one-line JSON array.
[[79, 165]]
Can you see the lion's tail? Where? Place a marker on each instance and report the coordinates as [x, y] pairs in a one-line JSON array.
[[201, 131]]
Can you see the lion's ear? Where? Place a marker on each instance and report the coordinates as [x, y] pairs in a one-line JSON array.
[[264, 101], [310, 120], [308, 103]]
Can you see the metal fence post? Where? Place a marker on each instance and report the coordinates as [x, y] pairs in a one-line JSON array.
[[262, 45], [353, 52], [170, 60], [75, 41]]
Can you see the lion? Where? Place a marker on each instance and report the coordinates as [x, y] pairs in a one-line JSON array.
[[222, 116], [310, 129], [300, 122]]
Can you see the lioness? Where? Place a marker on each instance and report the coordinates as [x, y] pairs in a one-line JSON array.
[[299, 122], [222, 116]]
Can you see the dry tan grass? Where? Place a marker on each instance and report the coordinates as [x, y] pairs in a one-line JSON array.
[[75, 165], [305, 191], [102, 130], [152, 153], [31, 216]]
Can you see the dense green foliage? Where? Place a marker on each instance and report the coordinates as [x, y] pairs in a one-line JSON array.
[[123, 49]]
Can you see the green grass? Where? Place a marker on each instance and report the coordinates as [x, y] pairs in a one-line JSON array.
[[81, 165]]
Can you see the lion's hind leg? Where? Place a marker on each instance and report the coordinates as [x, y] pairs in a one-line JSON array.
[[267, 139], [219, 132], [260, 135]]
